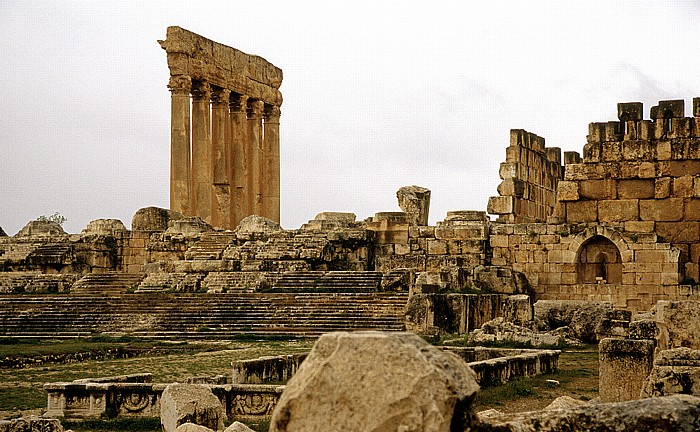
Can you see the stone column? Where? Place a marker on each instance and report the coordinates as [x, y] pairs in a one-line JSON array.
[[255, 112], [271, 164], [220, 184], [201, 152], [238, 167], [180, 176]]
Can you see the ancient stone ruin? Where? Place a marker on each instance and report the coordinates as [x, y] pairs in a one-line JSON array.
[[225, 154]]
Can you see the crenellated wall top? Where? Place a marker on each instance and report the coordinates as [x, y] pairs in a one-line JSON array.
[[202, 59]]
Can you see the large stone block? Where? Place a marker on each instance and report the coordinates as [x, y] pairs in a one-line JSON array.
[[501, 205], [630, 111], [598, 189], [581, 211], [190, 403], [618, 210], [636, 189], [374, 381], [675, 371], [624, 366], [670, 209], [567, 191], [153, 219]]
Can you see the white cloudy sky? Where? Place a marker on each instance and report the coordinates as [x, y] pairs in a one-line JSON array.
[[378, 95]]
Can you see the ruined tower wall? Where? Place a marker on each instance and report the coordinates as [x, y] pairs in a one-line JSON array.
[[224, 131], [530, 175], [642, 176]]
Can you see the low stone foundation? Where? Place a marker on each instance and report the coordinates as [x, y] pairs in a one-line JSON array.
[[495, 366]]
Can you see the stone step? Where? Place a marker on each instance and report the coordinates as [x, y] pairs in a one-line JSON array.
[[103, 283], [210, 246]]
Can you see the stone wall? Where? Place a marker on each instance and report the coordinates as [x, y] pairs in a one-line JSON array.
[[530, 176]]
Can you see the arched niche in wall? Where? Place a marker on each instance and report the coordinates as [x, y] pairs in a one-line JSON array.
[[598, 261]]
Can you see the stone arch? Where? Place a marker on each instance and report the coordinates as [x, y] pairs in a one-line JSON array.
[[598, 260]]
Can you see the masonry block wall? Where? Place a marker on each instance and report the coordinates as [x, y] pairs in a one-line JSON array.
[[530, 175], [626, 224]]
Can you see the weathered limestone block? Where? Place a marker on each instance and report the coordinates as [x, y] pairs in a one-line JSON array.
[[630, 111], [678, 323], [31, 423], [191, 427], [581, 211], [336, 217], [675, 371], [670, 209], [624, 366], [190, 403], [188, 226], [257, 224], [564, 402], [567, 191], [582, 317], [668, 109], [104, 227], [375, 381], [503, 331], [679, 413], [501, 205], [415, 201], [517, 309], [500, 280], [153, 219], [511, 187], [41, 228], [614, 324], [238, 427]]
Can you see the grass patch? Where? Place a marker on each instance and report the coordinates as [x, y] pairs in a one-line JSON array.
[[143, 424]]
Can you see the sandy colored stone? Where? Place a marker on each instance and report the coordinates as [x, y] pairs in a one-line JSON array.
[[104, 227], [258, 224], [41, 228], [153, 219], [415, 201], [567, 191], [675, 371], [564, 402], [336, 217], [190, 403], [679, 413], [376, 381], [624, 365], [188, 226], [191, 427], [238, 427]]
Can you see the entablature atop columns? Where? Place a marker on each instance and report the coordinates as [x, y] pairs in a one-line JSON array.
[[202, 59]]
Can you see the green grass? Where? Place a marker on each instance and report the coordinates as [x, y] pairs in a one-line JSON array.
[[144, 424]]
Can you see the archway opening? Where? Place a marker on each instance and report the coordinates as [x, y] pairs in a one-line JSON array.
[[599, 261]]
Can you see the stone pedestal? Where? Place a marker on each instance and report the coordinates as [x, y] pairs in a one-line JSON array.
[[624, 366]]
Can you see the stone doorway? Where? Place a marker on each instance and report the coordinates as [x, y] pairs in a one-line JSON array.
[[599, 261]]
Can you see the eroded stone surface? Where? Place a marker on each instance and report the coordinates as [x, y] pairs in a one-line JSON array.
[[238, 427], [375, 381], [675, 371], [153, 219], [257, 224], [624, 365], [41, 228], [104, 227], [680, 413], [190, 403], [415, 201], [188, 226]]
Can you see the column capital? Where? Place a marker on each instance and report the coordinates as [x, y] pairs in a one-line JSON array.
[[255, 108], [272, 113], [220, 97], [201, 90], [238, 103], [180, 84]]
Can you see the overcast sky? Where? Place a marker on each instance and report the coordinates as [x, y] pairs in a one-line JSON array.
[[378, 95]]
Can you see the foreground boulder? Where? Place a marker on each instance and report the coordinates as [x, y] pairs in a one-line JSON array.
[[376, 381], [680, 413], [190, 403]]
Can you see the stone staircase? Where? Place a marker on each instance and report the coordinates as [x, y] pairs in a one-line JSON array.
[[330, 281], [239, 282], [210, 246], [198, 316], [107, 283]]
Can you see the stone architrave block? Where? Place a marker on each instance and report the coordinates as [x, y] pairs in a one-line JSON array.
[[190, 403], [624, 366], [376, 381]]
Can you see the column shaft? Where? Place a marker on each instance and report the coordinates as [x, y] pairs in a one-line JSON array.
[[271, 164], [255, 112], [239, 155], [220, 179], [180, 176], [201, 152]]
